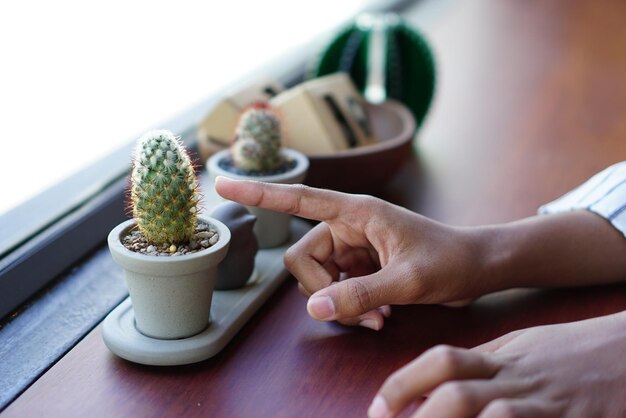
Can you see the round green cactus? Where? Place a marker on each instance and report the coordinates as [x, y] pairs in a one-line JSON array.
[[164, 189], [257, 140]]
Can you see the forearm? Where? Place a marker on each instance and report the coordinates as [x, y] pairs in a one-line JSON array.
[[569, 249]]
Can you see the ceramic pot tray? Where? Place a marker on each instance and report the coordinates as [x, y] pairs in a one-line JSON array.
[[230, 310]]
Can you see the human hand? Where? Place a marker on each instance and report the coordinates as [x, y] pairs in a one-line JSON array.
[[565, 370], [366, 253]]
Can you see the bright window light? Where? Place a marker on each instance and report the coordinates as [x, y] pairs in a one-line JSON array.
[[78, 79]]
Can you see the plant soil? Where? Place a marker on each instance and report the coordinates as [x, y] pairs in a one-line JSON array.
[[228, 164], [204, 237]]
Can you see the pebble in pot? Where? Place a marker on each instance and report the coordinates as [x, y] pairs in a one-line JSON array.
[[235, 270]]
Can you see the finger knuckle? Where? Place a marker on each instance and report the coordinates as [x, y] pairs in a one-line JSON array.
[[260, 198], [360, 296], [369, 203], [445, 358], [295, 204], [394, 387], [366, 199], [500, 408], [291, 257], [456, 393]]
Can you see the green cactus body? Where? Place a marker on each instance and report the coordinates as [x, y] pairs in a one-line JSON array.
[[164, 194], [258, 142]]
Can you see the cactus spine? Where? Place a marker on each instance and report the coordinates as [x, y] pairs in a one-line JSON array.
[[164, 189], [258, 141]]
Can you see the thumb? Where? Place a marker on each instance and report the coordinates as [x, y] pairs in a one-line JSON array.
[[350, 298]]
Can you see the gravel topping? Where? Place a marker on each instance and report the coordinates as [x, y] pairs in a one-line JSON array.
[[204, 237]]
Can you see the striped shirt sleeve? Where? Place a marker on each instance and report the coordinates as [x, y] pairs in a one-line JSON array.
[[604, 194]]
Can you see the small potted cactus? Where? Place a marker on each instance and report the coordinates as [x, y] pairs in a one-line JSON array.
[[169, 254], [257, 154]]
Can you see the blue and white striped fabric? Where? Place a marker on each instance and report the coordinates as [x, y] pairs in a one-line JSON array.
[[604, 194]]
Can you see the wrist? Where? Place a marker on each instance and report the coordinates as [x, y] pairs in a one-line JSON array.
[[492, 254]]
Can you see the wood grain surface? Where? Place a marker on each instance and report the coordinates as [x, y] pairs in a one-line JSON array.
[[531, 101]]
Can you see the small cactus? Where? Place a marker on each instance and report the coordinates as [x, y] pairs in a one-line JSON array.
[[257, 140], [164, 189]]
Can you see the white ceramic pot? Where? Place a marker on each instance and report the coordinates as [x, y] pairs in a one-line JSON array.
[[171, 295], [271, 228]]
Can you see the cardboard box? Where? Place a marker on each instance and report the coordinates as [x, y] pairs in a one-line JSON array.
[[323, 116], [216, 130]]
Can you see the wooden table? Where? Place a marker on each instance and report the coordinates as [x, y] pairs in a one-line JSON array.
[[531, 101]]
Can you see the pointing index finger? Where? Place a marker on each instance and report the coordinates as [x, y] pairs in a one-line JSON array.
[[295, 199]]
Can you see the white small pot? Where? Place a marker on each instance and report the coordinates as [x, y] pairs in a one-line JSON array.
[[171, 295], [271, 228]]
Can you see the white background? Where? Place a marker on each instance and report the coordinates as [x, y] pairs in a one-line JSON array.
[[78, 79]]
